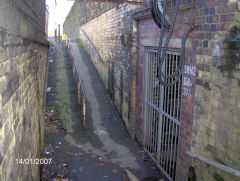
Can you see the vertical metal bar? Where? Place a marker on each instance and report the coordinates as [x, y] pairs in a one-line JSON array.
[[176, 149], [175, 89], [79, 92], [155, 102], [168, 111], [55, 35], [59, 37], [145, 114], [173, 149], [160, 122], [152, 110], [147, 120], [164, 120], [70, 56], [68, 48], [157, 113], [171, 108], [74, 72], [174, 111], [149, 99], [84, 113], [179, 96], [177, 127]]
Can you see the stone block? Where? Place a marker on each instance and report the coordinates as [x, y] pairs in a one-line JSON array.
[[1, 37], [2, 54], [10, 40], [16, 96], [3, 83]]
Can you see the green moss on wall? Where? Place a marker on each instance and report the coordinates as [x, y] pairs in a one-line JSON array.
[[231, 54], [191, 174], [214, 153], [217, 177]]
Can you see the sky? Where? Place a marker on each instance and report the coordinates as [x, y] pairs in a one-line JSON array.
[[57, 14]]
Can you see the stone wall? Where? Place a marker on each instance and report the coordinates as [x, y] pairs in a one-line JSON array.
[[216, 123], [23, 57], [110, 33], [81, 13]]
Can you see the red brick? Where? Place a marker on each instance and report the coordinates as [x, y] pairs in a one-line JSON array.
[[212, 3], [229, 17], [198, 35], [196, 43], [199, 20], [230, 8], [197, 13], [223, 27], [219, 9]]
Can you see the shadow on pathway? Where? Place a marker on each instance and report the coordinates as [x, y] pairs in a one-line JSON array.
[[104, 149]]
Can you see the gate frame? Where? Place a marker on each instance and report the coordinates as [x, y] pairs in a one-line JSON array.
[[160, 112]]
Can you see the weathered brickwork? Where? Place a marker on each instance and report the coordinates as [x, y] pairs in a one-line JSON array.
[[143, 32], [148, 36], [216, 130], [23, 57], [200, 48], [83, 12], [209, 124], [109, 33]]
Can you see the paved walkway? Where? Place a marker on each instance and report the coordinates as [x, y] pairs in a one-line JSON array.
[[103, 150]]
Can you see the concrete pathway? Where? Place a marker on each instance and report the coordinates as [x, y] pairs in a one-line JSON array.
[[103, 150]]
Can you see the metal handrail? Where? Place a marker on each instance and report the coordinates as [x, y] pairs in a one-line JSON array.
[[80, 83], [90, 43], [214, 164]]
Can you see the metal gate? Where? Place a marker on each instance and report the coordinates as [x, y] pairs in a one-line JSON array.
[[162, 107]]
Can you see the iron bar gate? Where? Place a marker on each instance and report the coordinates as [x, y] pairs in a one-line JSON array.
[[162, 108]]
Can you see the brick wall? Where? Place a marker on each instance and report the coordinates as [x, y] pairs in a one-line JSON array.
[[210, 91], [209, 124], [110, 35], [216, 130], [146, 30], [148, 35], [23, 57], [83, 12]]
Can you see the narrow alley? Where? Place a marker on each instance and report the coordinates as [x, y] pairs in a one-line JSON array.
[[103, 149], [119, 90]]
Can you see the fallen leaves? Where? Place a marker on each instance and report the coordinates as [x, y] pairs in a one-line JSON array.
[[53, 125], [69, 154], [58, 170]]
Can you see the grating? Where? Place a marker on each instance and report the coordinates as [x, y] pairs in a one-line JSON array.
[[162, 106]]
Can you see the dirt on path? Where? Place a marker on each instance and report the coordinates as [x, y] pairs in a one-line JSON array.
[[101, 151]]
